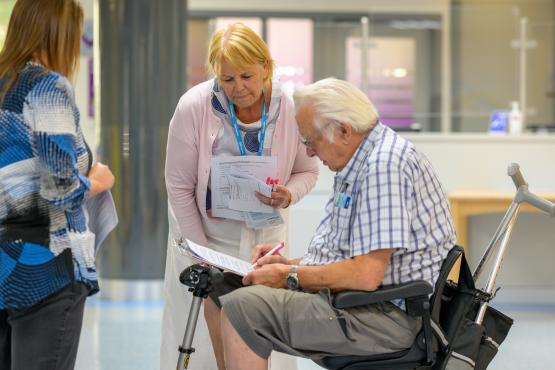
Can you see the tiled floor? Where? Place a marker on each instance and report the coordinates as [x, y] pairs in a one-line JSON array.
[[118, 336]]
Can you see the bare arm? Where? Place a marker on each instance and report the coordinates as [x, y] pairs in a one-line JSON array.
[[359, 273]]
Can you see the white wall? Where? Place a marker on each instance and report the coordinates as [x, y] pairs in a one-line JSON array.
[[479, 161]]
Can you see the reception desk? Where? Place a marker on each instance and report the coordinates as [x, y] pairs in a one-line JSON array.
[[471, 203]]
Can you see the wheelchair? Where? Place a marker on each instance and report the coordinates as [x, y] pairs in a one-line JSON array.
[[459, 329]]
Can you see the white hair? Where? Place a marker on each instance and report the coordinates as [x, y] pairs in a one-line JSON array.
[[334, 102]]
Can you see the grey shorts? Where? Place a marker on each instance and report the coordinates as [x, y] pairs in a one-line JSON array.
[[305, 324]]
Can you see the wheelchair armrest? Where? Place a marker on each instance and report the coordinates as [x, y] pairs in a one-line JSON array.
[[353, 298]]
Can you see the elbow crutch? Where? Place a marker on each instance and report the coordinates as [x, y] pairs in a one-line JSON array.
[[502, 235]]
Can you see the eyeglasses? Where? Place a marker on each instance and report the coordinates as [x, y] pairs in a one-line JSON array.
[[309, 141]]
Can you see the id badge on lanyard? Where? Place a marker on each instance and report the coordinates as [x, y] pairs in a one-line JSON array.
[[238, 137], [342, 200]]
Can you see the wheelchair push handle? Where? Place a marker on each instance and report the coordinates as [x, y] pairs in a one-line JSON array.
[[524, 195]]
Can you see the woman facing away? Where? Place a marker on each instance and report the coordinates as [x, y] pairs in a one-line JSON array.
[[46, 249], [241, 112]]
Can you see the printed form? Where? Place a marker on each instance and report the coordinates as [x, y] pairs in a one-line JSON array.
[[241, 193], [214, 258], [234, 181]]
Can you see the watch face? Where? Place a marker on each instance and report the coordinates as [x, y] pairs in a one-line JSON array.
[[292, 282]]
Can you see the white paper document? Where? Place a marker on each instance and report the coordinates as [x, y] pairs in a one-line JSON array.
[[214, 258], [226, 185], [257, 220], [242, 190], [103, 217]]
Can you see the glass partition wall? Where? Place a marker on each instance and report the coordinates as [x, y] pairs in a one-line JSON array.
[[536, 73], [395, 59], [398, 71], [502, 52], [425, 71]]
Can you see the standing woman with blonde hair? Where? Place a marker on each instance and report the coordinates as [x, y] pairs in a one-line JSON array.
[[46, 249], [242, 111]]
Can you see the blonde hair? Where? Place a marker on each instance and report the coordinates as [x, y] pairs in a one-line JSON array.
[[239, 45], [50, 29], [334, 102]]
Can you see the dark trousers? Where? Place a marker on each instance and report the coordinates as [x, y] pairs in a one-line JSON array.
[[46, 335]]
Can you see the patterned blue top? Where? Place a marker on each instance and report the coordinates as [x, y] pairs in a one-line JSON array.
[[396, 202], [44, 239]]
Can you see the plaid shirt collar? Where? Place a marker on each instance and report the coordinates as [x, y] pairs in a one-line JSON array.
[[349, 173]]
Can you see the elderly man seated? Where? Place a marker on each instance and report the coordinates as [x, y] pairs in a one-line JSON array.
[[386, 222]]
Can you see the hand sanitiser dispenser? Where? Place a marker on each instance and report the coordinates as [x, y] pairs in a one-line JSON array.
[[515, 119]]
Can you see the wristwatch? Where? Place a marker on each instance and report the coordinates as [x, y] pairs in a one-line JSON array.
[[293, 279]]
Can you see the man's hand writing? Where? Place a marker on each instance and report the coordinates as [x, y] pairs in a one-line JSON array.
[[259, 252]]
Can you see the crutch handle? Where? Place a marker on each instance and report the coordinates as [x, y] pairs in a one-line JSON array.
[[524, 195], [514, 171]]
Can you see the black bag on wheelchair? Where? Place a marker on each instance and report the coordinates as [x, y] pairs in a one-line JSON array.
[[470, 345]]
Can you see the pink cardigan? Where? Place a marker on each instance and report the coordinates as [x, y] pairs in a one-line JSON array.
[[192, 132]]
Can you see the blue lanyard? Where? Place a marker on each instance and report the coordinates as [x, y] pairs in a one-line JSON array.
[[238, 137]]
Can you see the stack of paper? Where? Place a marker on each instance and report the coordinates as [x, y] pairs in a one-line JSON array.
[[242, 193], [234, 183]]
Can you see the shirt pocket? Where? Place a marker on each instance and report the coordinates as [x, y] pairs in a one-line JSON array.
[[342, 212]]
